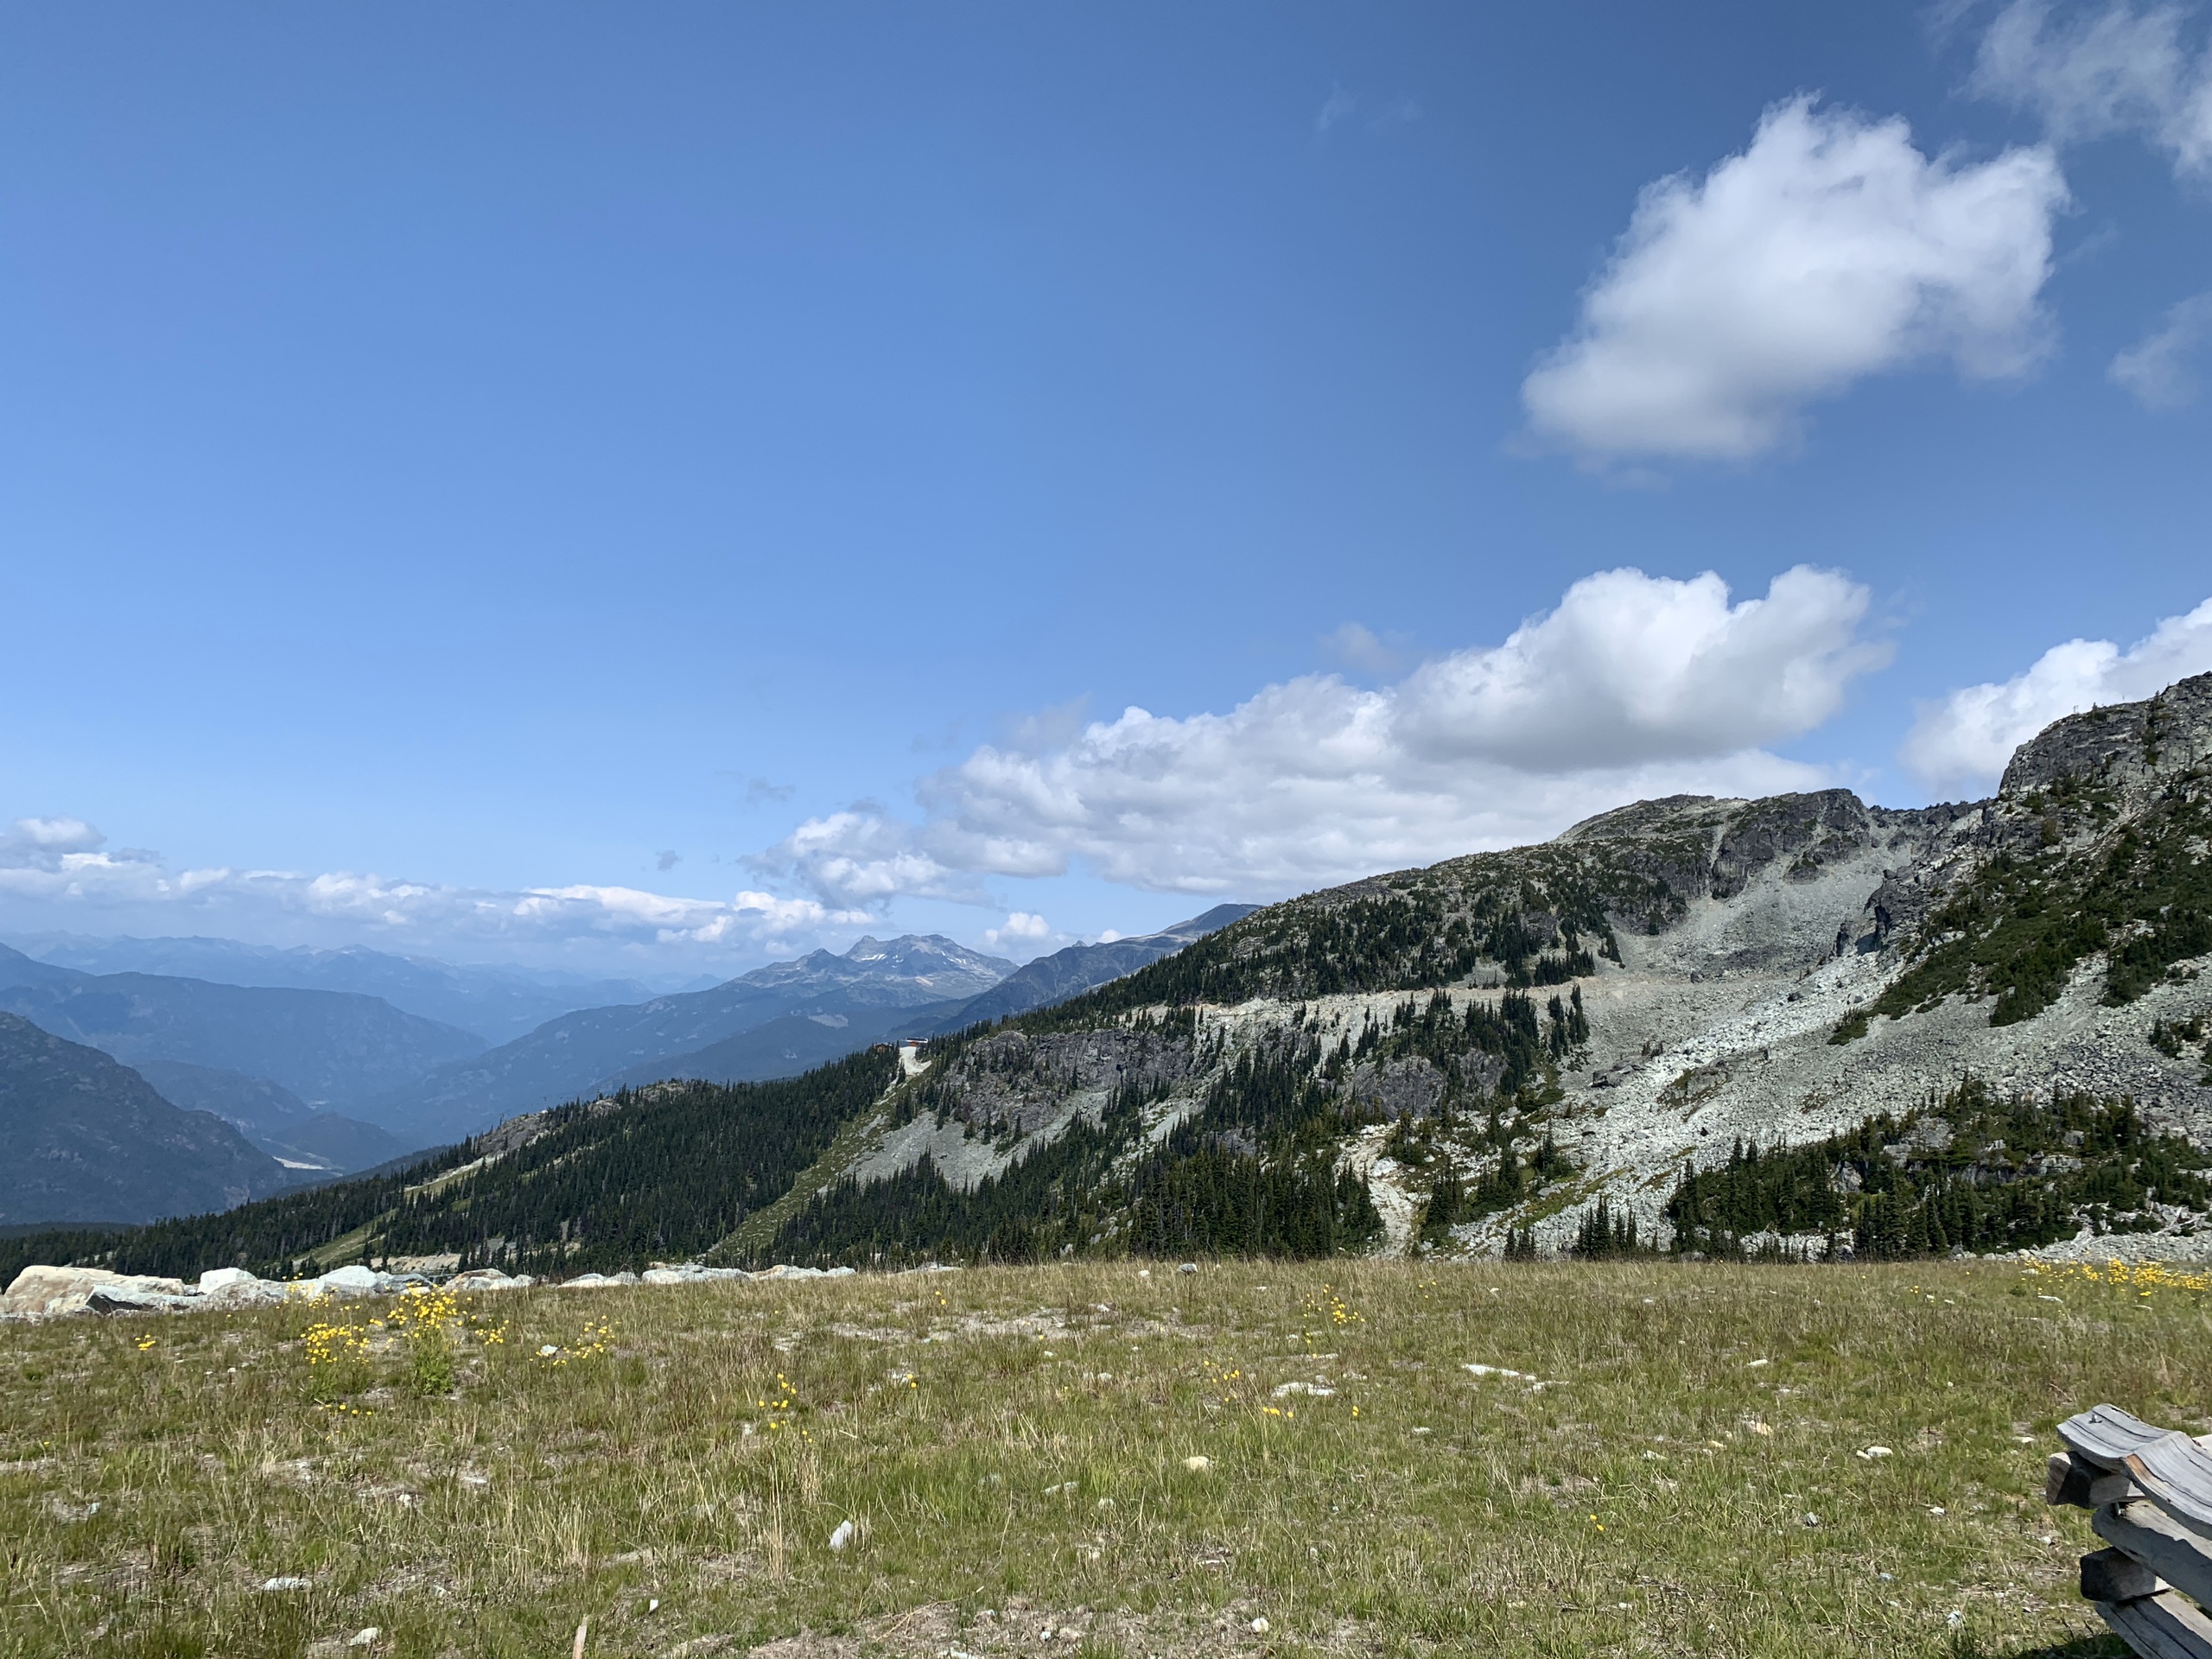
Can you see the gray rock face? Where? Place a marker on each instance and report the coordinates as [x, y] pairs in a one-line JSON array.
[[2131, 746]]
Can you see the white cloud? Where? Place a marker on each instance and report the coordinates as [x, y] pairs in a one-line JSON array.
[[1832, 249], [2116, 69], [1635, 686], [1968, 737], [1339, 104], [1024, 933], [859, 857], [2158, 369], [56, 869], [1631, 670]]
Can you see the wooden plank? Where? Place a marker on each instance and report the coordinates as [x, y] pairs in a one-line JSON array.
[[2106, 1435], [2115, 1575], [2176, 1475], [2159, 1627], [2160, 1542], [2069, 1480]]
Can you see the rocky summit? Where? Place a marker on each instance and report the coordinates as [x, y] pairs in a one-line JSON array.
[[1642, 998]]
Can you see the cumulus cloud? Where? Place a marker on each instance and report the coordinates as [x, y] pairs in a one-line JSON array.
[[1631, 670], [1969, 736], [1830, 249], [58, 866], [1024, 933], [1634, 686], [2158, 370], [2095, 72]]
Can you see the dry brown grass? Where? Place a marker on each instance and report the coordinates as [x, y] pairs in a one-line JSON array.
[[1011, 1447]]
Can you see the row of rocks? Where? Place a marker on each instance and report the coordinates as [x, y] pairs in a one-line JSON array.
[[44, 1293], [40, 1293]]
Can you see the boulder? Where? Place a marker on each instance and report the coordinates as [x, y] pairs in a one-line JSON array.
[[42, 1292], [240, 1289], [691, 1273], [489, 1279], [126, 1298]]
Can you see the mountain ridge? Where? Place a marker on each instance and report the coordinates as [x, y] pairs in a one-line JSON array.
[[578, 1052], [88, 1139], [1565, 1046]]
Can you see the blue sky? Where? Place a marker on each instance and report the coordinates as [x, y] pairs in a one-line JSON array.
[[452, 459]]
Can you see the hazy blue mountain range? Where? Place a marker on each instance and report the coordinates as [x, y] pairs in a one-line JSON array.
[[498, 1004], [333, 1049], [88, 1140], [273, 1118], [850, 1000], [784, 1047], [1082, 967]]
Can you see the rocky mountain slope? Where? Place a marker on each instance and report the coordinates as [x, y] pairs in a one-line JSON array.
[[88, 1140], [829, 1004], [1798, 1022], [1510, 1038]]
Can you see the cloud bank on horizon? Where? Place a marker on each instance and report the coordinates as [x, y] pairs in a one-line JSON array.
[[63, 866]]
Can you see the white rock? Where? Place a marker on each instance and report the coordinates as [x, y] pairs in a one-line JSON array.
[[43, 1292], [352, 1279], [217, 1279], [364, 1638], [1259, 1627], [135, 1299], [1199, 1465], [844, 1535], [587, 1282], [289, 1584], [487, 1279]]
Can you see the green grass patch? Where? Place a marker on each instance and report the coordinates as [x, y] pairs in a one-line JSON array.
[[1013, 1448]]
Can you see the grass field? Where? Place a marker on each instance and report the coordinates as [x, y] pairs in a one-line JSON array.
[[1013, 1451]]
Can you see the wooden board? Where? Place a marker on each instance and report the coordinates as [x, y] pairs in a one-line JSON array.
[[2173, 1470], [2175, 1474], [2159, 1627], [2106, 1435], [2172, 1551]]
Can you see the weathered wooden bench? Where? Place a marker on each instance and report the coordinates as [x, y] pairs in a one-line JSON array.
[[2151, 1491]]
